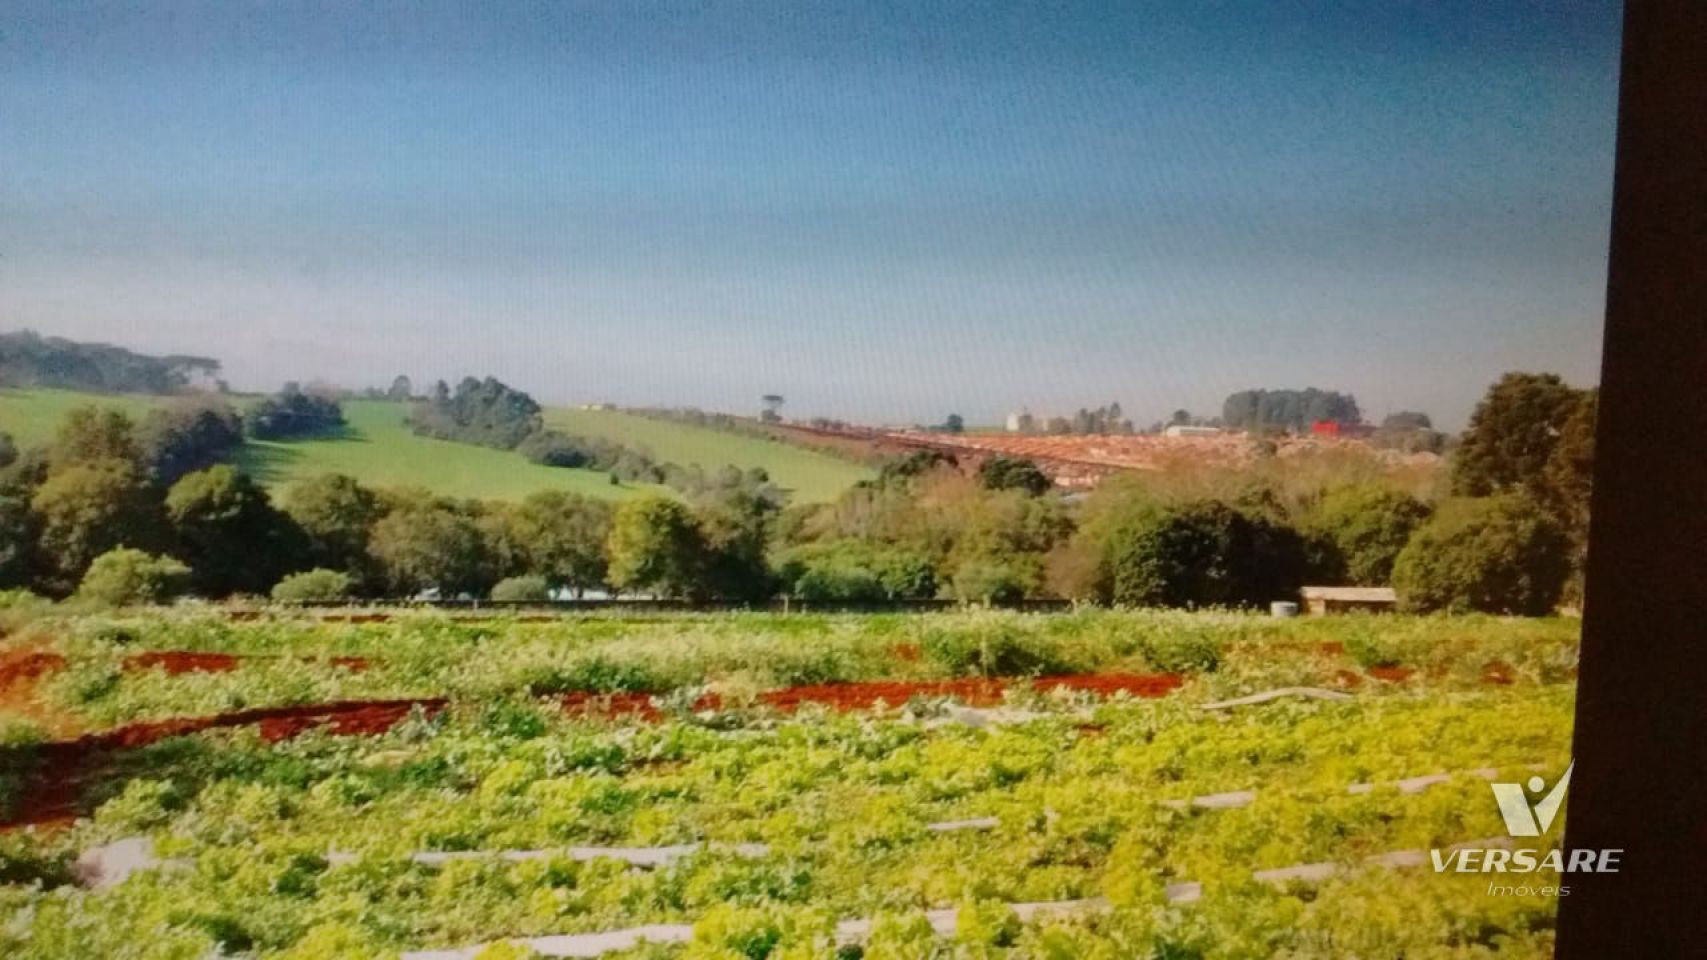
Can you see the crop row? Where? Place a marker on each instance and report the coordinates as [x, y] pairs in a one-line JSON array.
[[843, 804]]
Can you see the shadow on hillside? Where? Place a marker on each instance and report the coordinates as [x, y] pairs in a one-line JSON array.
[[270, 460]]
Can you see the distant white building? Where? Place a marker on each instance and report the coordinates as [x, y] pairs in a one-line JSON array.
[[1186, 430], [1021, 422]]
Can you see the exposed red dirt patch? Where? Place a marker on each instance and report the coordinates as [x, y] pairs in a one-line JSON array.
[[906, 652], [176, 662], [1392, 674], [21, 666], [62, 770]]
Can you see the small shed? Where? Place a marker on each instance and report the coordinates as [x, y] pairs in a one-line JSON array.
[[1320, 600]]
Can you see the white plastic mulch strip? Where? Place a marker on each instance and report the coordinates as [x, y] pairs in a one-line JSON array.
[[108, 865], [944, 922]]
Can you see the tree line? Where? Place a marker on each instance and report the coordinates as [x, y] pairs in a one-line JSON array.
[[90, 516], [29, 360], [491, 413]]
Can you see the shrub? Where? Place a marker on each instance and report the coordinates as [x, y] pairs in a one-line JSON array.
[[19, 598], [125, 576], [1013, 473], [1203, 553], [317, 585], [555, 449], [855, 571], [993, 580], [1358, 531], [994, 648], [1497, 555], [523, 589]]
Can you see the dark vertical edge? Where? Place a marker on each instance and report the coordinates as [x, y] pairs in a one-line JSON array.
[[1640, 783]]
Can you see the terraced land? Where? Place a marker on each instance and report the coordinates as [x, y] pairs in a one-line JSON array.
[[1097, 784]]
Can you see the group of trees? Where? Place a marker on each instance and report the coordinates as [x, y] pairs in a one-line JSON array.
[[484, 412], [491, 413], [28, 359], [294, 412], [1101, 421], [1287, 411], [103, 513]]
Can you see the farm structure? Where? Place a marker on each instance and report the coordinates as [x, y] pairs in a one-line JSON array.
[[1324, 600]]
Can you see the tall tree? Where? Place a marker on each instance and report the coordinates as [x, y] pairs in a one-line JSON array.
[[559, 536], [336, 515], [224, 526], [93, 434], [90, 507], [1512, 435], [188, 436], [656, 546], [433, 545]]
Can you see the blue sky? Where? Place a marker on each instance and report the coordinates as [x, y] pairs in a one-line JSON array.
[[883, 211]]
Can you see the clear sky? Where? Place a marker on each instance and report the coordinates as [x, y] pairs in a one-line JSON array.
[[881, 210]]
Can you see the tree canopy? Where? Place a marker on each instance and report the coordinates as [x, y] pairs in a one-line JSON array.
[[485, 412], [28, 359], [1287, 410]]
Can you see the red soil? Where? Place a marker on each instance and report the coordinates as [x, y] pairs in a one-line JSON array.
[[906, 652], [66, 767], [867, 694], [21, 666], [1391, 674], [176, 662]]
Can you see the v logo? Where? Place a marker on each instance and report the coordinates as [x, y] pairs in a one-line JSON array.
[[1520, 819]]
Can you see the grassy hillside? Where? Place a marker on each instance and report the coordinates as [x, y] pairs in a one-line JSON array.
[[812, 476], [32, 417], [376, 448]]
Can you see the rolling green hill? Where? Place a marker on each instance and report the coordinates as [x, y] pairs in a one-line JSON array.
[[375, 448], [812, 476], [32, 416]]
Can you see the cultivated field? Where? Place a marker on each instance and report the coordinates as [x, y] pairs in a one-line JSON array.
[[188, 784], [812, 476]]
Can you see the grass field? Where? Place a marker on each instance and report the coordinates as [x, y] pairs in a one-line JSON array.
[[32, 417], [379, 450], [375, 448], [814, 477], [504, 800]]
